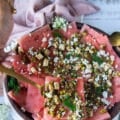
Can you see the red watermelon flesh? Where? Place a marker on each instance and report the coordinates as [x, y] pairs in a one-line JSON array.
[[80, 88], [37, 39], [98, 115], [51, 79], [34, 99], [116, 89], [20, 97], [46, 116], [71, 29], [97, 39], [103, 40]]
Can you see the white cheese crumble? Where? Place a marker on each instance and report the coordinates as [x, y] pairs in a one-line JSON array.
[[112, 58], [105, 94], [44, 39], [10, 47], [56, 59], [106, 102], [50, 41], [75, 39]]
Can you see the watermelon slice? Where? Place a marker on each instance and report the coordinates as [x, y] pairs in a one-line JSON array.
[[34, 99], [99, 115], [36, 39], [71, 29], [80, 88], [20, 97]]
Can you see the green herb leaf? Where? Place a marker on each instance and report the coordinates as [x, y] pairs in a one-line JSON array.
[[13, 84], [69, 103], [97, 59], [59, 23], [57, 34]]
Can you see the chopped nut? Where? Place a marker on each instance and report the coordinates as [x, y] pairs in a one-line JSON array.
[[45, 62], [47, 52], [56, 86], [39, 56], [50, 86], [56, 99]]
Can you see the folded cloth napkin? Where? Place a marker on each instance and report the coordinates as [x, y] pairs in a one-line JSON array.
[[32, 14]]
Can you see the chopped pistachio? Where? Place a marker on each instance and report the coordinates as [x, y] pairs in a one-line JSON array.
[[45, 62], [56, 86], [39, 56]]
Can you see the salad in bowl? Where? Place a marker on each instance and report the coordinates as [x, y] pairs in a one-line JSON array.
[[76, 71]]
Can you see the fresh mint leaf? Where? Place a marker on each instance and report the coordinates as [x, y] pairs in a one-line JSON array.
[[13, 84], [69, 103], [97, 59]]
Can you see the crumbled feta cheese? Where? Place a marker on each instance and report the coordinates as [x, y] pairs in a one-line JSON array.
[[44, 39], [10, 47], [49, 95], [105, 101], [102, 52], [75, 39], [95, 107], [45, 62], [77, 50], [7, 49], [112, 58], [30, 51], [105, 94], [62, 47], [50, 41], [56, 59], [87, 76], [97, 78], [105, 77]]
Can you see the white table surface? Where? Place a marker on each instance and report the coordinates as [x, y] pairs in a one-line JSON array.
[[107, 19]]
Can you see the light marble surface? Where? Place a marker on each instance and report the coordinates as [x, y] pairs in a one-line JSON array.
[[108, 18]]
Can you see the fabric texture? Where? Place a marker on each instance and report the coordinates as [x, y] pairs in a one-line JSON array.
[[32, 14]]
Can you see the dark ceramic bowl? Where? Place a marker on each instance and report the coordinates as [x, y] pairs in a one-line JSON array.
[[18, 114]]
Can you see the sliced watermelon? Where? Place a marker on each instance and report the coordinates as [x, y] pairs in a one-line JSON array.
[[37, 39], [51, 79], [20, 97], [34, 99], [47, 116], [97, 39], [99, 115], [71, 29], [80, 88]]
